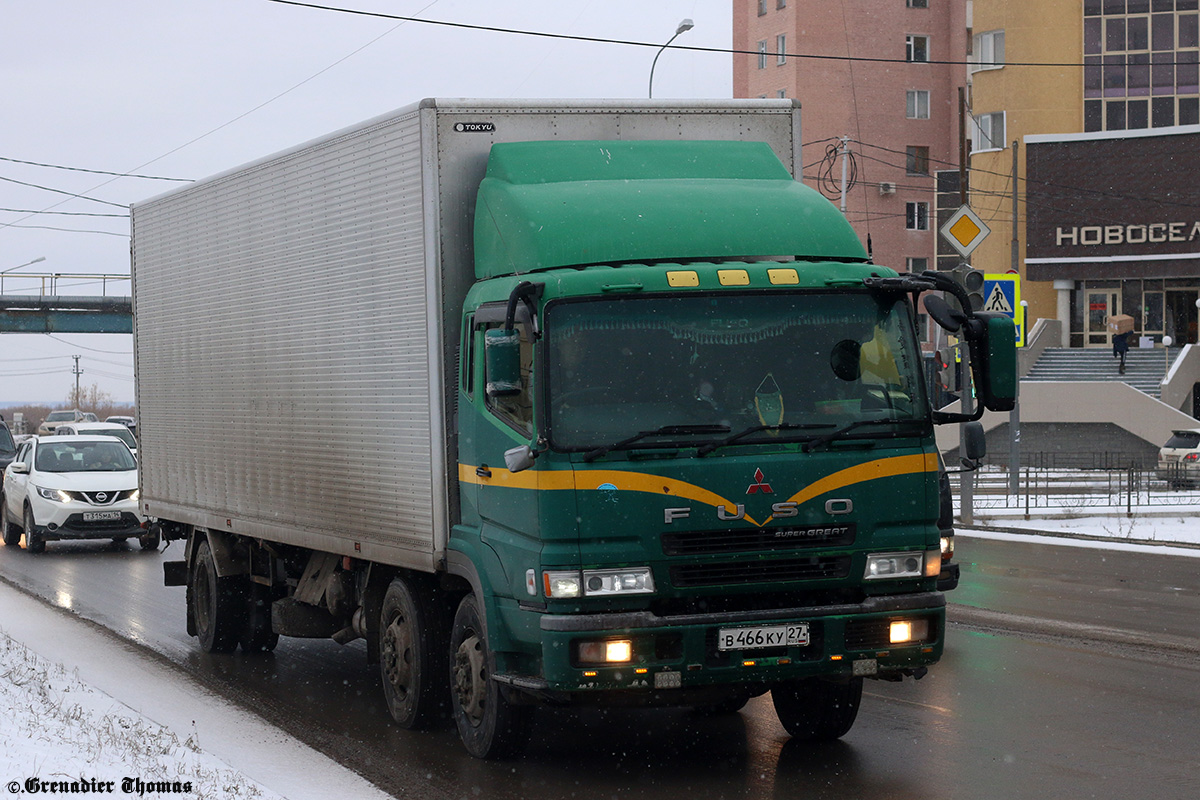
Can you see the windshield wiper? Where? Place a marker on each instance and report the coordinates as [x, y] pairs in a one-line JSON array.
[[829, 437], [786, 426], [666, 430]]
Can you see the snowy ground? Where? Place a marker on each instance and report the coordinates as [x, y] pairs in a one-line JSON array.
[[93, 716], [83, 710]]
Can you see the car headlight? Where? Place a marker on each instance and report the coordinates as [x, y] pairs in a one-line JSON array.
[[598, 582], [882, 566], [56, 495]]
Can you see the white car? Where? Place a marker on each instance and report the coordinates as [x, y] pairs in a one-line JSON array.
[[1179, 459], [114, 429], [72, 487]]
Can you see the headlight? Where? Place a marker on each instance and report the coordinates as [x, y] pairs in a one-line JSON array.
[[599, 582], [56, 495], [903, 565], [135, 495]]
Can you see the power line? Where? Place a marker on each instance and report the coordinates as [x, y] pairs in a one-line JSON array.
[[64, 230], [95, 171], [60, 191], [64, 213], [693, 48]]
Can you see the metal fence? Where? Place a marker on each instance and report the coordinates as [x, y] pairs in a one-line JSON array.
[[1070, 491]]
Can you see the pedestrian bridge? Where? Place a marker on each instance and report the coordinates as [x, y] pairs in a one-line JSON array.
[[65, 314], [34, 303]]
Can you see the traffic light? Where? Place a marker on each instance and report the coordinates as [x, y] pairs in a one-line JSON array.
[[947, 369], [972, 281]]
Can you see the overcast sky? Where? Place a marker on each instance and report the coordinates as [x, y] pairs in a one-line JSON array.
[[188, 88]]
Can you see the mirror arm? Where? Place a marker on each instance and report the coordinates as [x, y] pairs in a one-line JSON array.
[[523, 292]]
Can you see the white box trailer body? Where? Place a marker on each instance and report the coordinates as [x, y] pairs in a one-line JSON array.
[[296, 320]]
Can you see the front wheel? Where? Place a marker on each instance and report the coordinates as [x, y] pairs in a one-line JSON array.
[[412, 654], [817, 710], [12, 531], [489, 724], [150, 541], [34, 543]]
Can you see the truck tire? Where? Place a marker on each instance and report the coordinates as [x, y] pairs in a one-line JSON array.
[[489, 724], [218, 604], [150, 541], [817, 710], [413, 645], [33, 542]]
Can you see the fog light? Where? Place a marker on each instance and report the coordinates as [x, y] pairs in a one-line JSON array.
[[908, 630], [615, 651]]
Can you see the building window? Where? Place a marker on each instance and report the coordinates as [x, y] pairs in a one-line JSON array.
[[762, 7], [918, 104], [987, 51], [916, 216], [988, 133], [1140, 63], [762, 54], [918, 3], [781, 49], [916, 160], [780, 4], [917, 264], [781, 93], [916, 48]]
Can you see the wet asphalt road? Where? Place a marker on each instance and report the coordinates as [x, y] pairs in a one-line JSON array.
[[1068, 673]]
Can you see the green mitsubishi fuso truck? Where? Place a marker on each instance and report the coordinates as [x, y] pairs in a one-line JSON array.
[[551, 402]]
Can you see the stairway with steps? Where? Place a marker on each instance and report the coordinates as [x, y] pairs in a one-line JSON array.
[[1144, 368]]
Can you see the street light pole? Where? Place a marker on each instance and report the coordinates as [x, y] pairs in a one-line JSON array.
[[26, 264], [684, 26]]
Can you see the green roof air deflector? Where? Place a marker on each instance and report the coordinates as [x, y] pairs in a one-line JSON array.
[[557, 204]]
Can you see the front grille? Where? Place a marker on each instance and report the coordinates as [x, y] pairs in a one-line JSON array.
[[75, 522], [110, 496], [758, 539], [760, 571]]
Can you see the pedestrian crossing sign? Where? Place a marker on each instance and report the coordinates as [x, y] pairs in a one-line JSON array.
[[1002, 294]]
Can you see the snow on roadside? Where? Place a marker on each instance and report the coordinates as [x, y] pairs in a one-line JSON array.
[[60, 735]]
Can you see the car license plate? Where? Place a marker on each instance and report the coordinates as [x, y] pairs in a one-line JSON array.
[[792, 635], [101, 516]]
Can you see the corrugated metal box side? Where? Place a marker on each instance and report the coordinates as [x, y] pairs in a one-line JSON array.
[[284, 383]]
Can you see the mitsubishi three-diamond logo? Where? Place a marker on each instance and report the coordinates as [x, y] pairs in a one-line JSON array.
[[758, 485]]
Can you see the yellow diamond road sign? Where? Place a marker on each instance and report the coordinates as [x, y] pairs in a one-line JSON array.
[[965, 230]]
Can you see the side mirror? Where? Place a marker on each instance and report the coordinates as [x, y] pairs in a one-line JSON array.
[[975, 441], [502, 361], [519, 459], [942, 314], [993, 339], [20, 468]]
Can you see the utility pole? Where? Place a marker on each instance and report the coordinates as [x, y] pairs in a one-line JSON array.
[[966, 486], [1014, 416], [77, 371]]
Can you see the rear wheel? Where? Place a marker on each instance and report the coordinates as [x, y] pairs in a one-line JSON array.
[[218, 604], [489, 724], [257, 635], [412, 654], [816, 710], [34, 543]]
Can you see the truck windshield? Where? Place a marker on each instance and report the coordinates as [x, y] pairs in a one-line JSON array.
[[791, 365]]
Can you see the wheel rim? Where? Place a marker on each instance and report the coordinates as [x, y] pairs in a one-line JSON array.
[[470, 679], [397, 656]]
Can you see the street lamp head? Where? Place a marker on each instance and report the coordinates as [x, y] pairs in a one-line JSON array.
[[684, 26]]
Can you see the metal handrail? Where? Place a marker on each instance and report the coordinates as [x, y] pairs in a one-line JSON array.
[[48, 281]]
